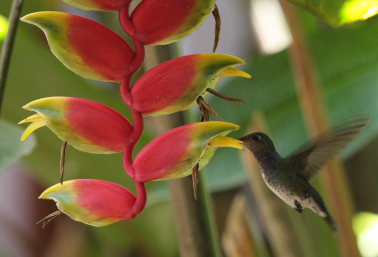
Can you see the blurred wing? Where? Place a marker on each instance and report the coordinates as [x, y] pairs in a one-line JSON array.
[[311, 159]]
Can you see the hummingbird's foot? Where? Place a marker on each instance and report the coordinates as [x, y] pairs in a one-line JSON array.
[[62, 160], [298, 206], [46, 220], [195, 179], [225, 97], [218, 23], [205, 109]]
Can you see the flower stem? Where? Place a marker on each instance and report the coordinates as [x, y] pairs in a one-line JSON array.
[[6, 51], [195, 219], [141, 200], [197, 232], [128, 27], [139, 54], [137, 116]]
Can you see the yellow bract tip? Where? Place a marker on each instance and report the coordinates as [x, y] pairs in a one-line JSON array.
[[222, 141], [46, 194], [32, 127], [34, 117], [232, 72]]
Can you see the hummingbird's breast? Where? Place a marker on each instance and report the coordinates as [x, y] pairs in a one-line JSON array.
[[281, 187], [291, 188]]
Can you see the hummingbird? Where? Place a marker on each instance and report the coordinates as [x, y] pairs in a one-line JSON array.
[[289, 177]]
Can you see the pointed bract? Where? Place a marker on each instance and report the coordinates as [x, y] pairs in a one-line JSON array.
[[99, 5], [84, 46], [86, 125], [176, 84], [91, 201], [176, 152], [160, 22]]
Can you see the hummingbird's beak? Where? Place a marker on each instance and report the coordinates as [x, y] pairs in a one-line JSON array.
[[241, 139]]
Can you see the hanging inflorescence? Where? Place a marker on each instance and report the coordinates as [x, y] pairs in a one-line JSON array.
[[93, 51]]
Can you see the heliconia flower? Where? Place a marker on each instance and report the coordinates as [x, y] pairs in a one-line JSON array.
[[160, 22], [176, 84], [99, 5], [91, 201], [86, 125], [176, 152], [84, 46]]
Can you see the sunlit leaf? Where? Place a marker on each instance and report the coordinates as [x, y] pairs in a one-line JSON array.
[[3, 27], [339, 12]]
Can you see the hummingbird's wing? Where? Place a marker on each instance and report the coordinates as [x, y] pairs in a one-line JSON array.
[[311, 159]]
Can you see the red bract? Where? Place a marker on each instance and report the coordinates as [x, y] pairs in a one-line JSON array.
[[87, 125], [91, 201], [166, 21], [176, 84], [176, 152], [86, 47]]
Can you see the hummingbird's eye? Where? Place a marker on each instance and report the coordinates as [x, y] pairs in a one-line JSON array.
[[256, 137]]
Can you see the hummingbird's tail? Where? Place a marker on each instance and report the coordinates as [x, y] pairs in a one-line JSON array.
[[331, 223]]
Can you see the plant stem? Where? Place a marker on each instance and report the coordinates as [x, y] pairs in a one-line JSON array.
[[195, 220], [198, 236], [316, 118], [6, 51]]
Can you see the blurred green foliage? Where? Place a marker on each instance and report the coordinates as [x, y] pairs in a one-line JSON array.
[[346, 60], [347, 63], [3, 27], [340, 12], [11, 148]]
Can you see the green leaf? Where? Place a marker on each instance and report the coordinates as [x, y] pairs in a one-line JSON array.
[[11, 148], [346, 60], [340, 12]]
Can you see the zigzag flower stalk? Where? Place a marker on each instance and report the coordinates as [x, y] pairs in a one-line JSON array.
[[94, 51]]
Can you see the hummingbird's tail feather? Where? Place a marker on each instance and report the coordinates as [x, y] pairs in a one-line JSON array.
[[331, 223]]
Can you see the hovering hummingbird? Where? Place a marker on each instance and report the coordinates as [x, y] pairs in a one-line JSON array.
[[289, 177]]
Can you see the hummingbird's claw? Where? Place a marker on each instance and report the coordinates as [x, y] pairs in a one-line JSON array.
[[298, 206]]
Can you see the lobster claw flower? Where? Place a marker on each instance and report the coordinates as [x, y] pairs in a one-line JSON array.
[[91, 201], [86, 47], [86, 125], [99, 5], [176, 152], [176, 84], [160, 22]]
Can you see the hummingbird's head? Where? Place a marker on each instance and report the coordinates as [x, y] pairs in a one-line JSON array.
[[258, 142]]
